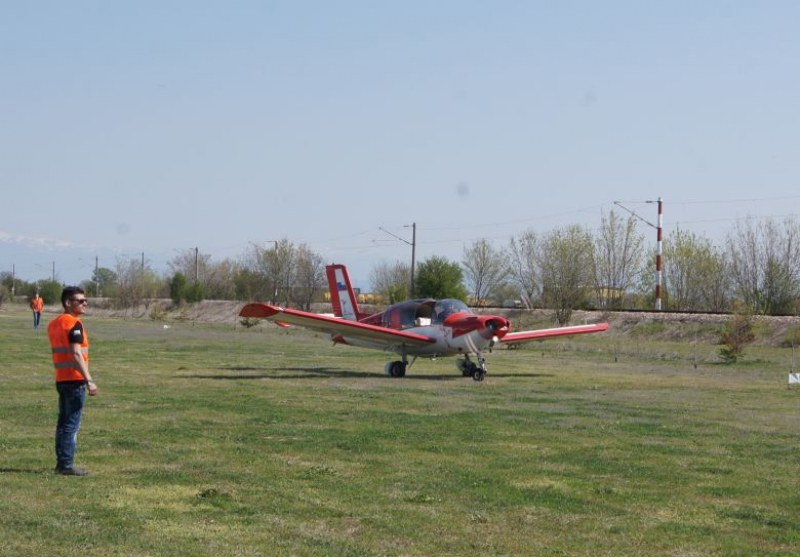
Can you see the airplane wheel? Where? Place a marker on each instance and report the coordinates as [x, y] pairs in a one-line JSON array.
[[396, 369], [478, 375], [464, 368]]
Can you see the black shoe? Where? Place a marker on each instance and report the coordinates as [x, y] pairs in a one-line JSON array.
[[72, 471]]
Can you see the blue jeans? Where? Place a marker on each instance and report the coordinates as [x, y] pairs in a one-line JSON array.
[[71, 398], [37, 316]]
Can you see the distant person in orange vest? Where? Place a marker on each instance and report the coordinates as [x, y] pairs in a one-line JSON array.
[[70, 348], [37, 305]]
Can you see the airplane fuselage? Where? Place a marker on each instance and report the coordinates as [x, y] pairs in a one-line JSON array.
[[444, 344], [450, 324]]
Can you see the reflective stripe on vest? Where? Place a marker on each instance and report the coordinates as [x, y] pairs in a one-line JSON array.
[[71, 362]]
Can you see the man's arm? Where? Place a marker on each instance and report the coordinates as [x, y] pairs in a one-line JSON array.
[[83, 367]]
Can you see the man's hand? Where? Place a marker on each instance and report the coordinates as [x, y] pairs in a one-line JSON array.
[[91, 388]]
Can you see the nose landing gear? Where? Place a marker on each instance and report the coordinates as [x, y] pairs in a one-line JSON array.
[[468, 368]]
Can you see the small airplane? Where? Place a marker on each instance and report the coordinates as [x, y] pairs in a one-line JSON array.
[[421, 327]]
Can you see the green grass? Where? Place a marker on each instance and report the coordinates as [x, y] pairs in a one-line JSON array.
[[214, 440]]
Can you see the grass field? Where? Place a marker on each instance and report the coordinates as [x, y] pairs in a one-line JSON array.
[[212, 440]]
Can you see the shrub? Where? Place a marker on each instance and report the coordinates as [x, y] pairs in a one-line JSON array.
[[177, 288], [248, 322], [195, 293], [157, 312], [737, 333]]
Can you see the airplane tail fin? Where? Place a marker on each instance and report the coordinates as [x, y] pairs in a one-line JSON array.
[[343, 297]]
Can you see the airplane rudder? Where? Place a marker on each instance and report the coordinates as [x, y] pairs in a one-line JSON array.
[[333, 289], [348, 303]]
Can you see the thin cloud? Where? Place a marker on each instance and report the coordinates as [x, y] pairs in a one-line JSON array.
[[36, 241]]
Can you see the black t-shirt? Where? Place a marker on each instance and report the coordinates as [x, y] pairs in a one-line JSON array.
[[76, 334]]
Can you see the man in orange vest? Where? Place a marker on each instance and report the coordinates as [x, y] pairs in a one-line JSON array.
[[37, 305], [70, 348]]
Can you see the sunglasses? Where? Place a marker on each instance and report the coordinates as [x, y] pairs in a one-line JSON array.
[[80, 300]]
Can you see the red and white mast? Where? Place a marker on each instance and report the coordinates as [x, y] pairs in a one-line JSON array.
[[659, 242], [659, 251]]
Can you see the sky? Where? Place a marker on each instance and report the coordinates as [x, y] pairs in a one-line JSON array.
[[145, 129]]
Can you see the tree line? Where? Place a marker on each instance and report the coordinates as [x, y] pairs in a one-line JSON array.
[[756, 269]]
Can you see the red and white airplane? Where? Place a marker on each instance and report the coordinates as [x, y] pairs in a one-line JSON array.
[[423, 327]]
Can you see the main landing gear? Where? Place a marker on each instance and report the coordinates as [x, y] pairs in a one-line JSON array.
[[468, 368], [396, 369]]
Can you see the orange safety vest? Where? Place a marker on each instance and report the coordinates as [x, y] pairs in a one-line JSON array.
[[37, 304], [58, 330]]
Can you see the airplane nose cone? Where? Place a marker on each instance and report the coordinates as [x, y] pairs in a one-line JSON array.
[[496, 326], [488, 326]]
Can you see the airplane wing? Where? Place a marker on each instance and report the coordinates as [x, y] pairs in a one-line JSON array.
[[525, 336], [333, 325]]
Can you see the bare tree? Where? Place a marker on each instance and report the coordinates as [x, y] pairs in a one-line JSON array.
[[191, 263], [136, 283], [275, 265], [714, 281], [216, 279], [618, 258], [567, 270], [695, 274], [765, 264], [219, 280], [680, 254], [285, 273], [310, 276], [485, 269], [523, 257], [391, 280]]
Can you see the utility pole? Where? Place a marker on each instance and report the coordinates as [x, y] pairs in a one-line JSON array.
[[413, 254], [412, 243], [96, 276], [275, 279], [659, 242], [659, 231]]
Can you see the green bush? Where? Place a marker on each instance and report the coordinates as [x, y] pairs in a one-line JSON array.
[[177, 288], [248, 322], [195, 293], [49, 290], [738, 332]]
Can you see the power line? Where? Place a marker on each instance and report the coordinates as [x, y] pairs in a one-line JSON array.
[[730, 201]]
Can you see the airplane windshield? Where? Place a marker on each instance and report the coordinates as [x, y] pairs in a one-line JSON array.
[[447, 307]]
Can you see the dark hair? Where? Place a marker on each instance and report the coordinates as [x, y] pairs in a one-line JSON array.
[[69, 292]]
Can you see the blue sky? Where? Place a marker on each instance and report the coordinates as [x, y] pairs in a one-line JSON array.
[[156, 127]]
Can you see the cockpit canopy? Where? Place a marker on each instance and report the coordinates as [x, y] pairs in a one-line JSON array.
[[443, 309], [415, 313]]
